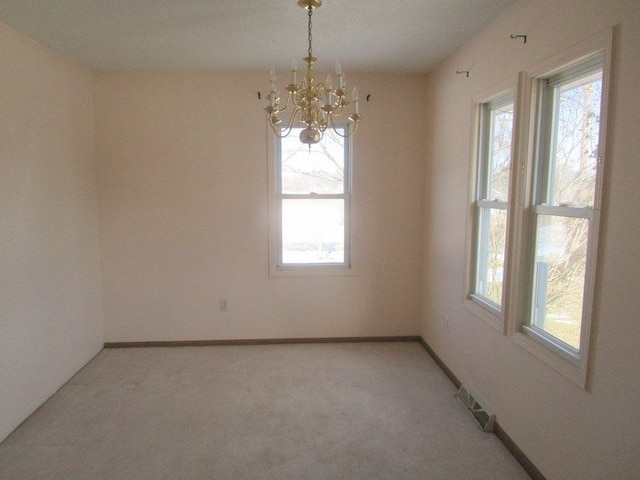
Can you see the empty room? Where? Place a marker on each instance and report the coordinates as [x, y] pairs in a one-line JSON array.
[[320, 239]]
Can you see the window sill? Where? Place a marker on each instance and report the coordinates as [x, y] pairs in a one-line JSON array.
[[311, 271], [574, 370], [485, 312]]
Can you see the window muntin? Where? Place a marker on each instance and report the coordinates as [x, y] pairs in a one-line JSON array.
[[563, 205], [313, 199], [492, 192]]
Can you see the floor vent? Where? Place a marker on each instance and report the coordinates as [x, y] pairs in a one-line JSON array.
[[477, 408]]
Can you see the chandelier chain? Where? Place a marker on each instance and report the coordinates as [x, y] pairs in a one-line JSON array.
[[310, 37]]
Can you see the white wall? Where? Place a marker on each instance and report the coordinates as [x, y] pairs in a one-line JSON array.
[[183, 212], [567, 432], [50, 308]]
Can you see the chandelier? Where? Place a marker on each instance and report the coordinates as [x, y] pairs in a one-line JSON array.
[[313, 106]]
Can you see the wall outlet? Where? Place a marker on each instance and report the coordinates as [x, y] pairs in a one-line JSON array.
[[224, 304]]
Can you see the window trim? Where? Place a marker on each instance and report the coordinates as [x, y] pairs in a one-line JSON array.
[[276, 267]]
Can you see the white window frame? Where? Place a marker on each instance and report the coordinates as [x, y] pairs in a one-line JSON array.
[[513, 318], [572, 364], [480, 305], [276, 266]]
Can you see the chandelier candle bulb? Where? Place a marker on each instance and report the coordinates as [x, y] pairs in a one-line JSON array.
[[354, 96], [327, 88], [340, 75], [294, 72]]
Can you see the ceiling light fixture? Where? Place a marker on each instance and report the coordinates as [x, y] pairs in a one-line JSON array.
[[314, 106]]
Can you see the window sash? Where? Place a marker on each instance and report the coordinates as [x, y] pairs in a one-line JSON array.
[[548, 128], [491, 245], [281, 198], [560, 270], [280, 261]]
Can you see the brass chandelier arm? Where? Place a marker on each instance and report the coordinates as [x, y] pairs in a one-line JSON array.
[[277, 108], [281, 133], [354, 122]]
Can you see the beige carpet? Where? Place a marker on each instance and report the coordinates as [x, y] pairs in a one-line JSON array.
[[325, 411]]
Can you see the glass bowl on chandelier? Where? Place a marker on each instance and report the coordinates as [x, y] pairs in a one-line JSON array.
[[313, 105]]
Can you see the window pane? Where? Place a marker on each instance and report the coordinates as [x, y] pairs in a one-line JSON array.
[[572, 173], [500, 153], [316, 170], [492, 233], [313, 231], [560, 263]]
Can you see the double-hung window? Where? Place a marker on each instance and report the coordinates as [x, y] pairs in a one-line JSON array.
[[312, 203], [534, 218], [495, 134], [565, 197]]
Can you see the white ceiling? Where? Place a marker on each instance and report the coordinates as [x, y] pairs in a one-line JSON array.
[[365, 35]]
